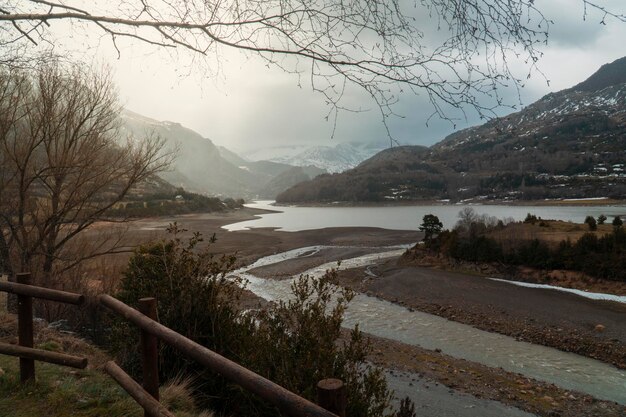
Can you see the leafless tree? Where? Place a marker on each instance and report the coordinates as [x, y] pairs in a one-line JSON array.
[[374, 44], [467, 216], [63, 165]]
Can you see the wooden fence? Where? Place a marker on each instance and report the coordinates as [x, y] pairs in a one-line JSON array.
[[331, 392]]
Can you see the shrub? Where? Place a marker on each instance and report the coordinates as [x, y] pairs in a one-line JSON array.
[[591, 222], [194, 298], [295, 343], [601, 257], [299, 343], [407, 408], [617, 221], [601, 219], [530, 218]]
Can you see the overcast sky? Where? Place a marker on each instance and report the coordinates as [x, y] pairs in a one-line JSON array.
[[251, 106]]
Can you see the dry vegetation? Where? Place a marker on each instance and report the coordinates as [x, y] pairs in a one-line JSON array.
[[550, 231]]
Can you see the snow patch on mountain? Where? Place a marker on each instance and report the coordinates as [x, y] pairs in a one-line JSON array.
[[338, 158]]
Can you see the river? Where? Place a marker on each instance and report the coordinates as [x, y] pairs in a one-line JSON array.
[[385, 319]]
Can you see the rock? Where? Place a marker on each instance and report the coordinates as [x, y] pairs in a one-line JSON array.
[[599, 328], [62, 325]]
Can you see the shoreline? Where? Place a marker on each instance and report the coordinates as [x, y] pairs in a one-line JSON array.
[[471, 202], [252, 244], [431, 368]]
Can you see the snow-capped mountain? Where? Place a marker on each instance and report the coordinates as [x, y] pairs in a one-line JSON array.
[[568, 144], [337, 158]]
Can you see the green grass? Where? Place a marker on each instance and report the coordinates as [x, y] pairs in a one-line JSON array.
[[66, 392], [62, 392]]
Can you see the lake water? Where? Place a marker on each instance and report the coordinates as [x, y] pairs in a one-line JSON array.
[[293, 219]]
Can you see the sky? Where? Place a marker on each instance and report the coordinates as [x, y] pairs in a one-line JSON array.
[[248, 105]]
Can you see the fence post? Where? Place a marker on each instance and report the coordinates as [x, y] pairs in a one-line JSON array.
[[331, 395], [149, 352], [25, 328]]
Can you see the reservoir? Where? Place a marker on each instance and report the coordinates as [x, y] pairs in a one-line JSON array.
[[292, 219]]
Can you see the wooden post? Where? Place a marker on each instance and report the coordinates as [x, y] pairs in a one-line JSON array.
[[288, 402], [331, 395], [43, 355], [136, 391], [149, 352], [25, 328]]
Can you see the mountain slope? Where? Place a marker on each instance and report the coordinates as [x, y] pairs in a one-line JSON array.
[[567, 144], [287, 179], [202, 167], [198, 165]]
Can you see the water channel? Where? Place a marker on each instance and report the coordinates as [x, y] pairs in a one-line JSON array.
[[385, 319]]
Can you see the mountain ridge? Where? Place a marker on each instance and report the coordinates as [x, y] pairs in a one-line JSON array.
[[333, 159], [568, 144]]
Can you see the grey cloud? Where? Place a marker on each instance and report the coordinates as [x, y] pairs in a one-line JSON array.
[[251, 106]]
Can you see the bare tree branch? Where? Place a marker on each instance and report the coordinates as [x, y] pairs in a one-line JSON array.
[[63, 166], [377, 45]]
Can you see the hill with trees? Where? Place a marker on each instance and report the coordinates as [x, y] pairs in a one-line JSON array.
[[568, 144]]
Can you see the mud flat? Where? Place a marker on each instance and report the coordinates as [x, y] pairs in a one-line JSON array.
[[252, 244]]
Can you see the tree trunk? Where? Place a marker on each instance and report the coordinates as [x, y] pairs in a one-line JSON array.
[[6, 269]]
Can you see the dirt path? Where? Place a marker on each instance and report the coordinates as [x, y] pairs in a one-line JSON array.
[[434, 399]]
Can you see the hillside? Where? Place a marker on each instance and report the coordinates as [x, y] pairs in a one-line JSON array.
[[202, 167], [568, 144]]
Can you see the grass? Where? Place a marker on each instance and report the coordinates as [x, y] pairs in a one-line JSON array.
[[65, 392], [62, 392]]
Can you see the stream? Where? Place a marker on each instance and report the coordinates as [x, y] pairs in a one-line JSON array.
[[385, 319]]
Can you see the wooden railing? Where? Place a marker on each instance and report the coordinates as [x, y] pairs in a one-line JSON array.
[[331, 392]]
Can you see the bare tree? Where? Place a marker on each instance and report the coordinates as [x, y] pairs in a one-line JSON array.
[[63, 165], [374, 44]]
